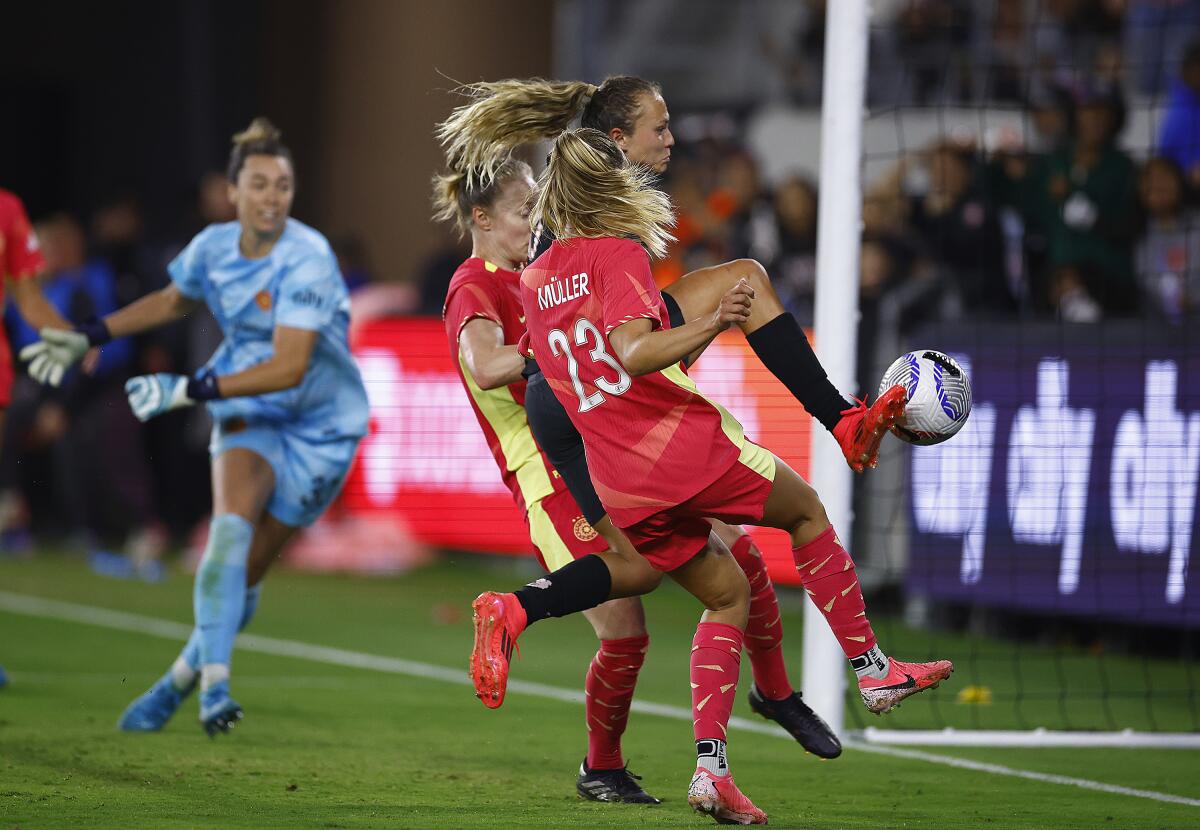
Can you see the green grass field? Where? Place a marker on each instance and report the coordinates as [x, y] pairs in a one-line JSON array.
[[328, 746]]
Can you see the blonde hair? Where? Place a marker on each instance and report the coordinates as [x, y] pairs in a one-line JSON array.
[[588, 189], [456, 192], [260, 138], [478, 135]]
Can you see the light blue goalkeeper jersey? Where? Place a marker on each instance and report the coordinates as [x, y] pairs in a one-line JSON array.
[[299, 285]]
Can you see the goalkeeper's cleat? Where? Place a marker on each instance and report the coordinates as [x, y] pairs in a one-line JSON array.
[[862, 427], [499, 620], [720, 798], [800, 721], [612, 785], [903, 680], [151, 711], [218, 711]]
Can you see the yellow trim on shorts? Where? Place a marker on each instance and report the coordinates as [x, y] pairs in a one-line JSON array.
[[759, 460], [545, 538]]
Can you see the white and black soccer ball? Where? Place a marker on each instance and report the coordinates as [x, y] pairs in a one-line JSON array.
[[939, 396]]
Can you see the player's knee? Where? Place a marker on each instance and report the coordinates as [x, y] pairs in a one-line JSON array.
[[754, 273]]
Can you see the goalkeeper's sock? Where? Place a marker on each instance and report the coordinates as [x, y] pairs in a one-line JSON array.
[[577, 586], [787, 354], [764, 629], [828, 575], [186, 667], [219, 597], [715, 660], [608, 696]]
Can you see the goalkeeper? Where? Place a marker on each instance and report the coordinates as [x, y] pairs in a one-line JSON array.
[[286, 398]]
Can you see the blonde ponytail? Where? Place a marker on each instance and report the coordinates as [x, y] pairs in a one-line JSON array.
[[478, 136], [589, 190]]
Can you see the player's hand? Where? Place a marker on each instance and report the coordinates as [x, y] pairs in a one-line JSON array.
[[735, 306], [152, 395], [53, 354]]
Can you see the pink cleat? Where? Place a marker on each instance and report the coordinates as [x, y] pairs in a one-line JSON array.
[[720, 798], [904, 679]]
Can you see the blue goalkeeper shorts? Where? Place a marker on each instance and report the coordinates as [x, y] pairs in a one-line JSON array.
[[308, 474]]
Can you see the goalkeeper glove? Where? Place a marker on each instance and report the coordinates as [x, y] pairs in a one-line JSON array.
[[58, 350], [152, 395]]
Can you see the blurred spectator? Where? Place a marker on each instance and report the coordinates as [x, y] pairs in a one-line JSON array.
[[1168, 254], [353, 261], [959, 231], [1157, 33], [932, 37], [785, 241], [437, 269], [1005, 54], [81, 438], [1179, 139], [1082, 201]]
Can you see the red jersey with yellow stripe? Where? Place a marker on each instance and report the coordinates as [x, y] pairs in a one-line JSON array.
[[653, 441], [480, 289]]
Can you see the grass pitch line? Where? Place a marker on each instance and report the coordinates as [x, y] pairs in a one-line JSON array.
[[122, 621]]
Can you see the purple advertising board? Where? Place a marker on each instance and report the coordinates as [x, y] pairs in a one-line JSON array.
[[1072, 488]]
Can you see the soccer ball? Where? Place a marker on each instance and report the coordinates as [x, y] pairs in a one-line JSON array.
[[939, 396]]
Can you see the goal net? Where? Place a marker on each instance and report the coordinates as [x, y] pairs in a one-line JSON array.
[[1030, 173]]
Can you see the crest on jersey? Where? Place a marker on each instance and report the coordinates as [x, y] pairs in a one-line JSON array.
[[584, 532], [263, 298]]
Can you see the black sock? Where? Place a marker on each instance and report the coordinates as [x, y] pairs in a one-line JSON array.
[[785, 351], [578, 586]]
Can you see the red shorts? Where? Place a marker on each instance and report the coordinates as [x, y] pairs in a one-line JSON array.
[[673, 536], [6, 373], [559, 532]]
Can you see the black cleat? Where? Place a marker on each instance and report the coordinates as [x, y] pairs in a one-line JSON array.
[[218, 711], [613, 785], [801, 722]]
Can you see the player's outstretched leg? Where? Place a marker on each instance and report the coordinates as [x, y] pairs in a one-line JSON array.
[[3, 678], [219, 602], [828, 575], [771, 695], [151, 711]]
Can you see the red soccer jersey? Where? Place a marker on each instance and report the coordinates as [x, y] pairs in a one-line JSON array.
[[19, 254], [652, 442], [481, 289]]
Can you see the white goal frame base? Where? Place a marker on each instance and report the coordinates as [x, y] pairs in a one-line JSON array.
[[1043, 738]]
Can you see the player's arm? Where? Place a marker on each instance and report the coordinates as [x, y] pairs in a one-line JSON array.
[[152, 395], [60, 348], [491, 363], [643, 350], [156, 309], [38, 312]]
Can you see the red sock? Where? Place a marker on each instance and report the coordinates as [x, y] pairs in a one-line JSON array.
[[716, 659], [609, 688], [764, 631], [827, 573]]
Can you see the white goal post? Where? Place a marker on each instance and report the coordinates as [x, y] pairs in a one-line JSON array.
[[843, 112]]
